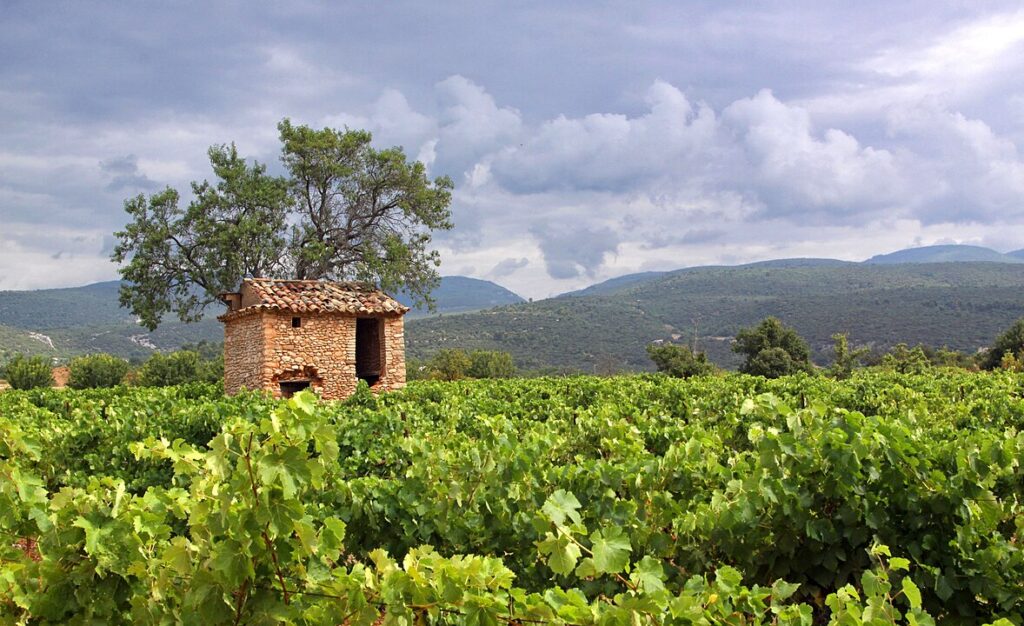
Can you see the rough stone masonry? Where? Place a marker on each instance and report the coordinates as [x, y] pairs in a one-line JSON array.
[[285, 335]]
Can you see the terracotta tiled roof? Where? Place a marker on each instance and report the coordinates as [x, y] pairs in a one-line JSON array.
[[318, 296]]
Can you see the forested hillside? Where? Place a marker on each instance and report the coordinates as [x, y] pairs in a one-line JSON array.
[[78, 320], [959, 305], [946, 254]]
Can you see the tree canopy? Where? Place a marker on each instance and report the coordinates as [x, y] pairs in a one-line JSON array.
[[679, 361], [343, 211], [1010, 342], [845, 357], [772, 349]]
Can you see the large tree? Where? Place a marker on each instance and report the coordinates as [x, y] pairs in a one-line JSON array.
[[343, 211]]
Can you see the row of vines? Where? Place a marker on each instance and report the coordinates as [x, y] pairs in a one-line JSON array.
[[880, 499]]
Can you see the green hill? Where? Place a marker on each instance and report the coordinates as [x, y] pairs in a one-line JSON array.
[[960, 305], [945, 254], [627, 281], [76, 320], [459, 294], [90, 305], [613, 285]]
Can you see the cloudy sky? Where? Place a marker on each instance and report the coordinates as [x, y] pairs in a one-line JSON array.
[[586, 140]]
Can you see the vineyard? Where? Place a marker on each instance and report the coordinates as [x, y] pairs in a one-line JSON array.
[[733, 499]]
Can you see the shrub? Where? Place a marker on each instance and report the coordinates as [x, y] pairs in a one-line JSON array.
[[23, 372], [1011, 363], [1012, 341], [846, 358], [450, 364], [906, 360], [416, 369], [490, 364], [211, 370], [679, 361], [772, 350], [177, 368], [97, 370], [773, 363]]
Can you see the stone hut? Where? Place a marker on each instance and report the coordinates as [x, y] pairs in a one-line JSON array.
[[287, 335]]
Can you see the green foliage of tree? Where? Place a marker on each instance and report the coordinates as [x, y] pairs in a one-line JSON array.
[[772, 349], [945, 357], [416, 369], [1011, 363], [177, 368], [773, 363], [344, 210], [207, 350], [176, 259], [845, 358], [679, 361], [456, 364], [23, 372], [490, 364], [1012, 341], [97, 371], [906, 360], [450, 364]]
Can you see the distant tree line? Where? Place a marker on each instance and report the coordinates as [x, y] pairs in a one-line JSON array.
[[194, 363], [456, 364], [772, 349]]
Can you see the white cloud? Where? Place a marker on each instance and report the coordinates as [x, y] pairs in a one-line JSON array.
[[471, 124], [801, 172], [605, 151], [976, 175], [956, 59]]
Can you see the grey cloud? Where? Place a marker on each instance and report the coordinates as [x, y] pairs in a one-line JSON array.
[[976, 174], [613, 152], [703, 235], [800, 172], [574, 251], [124, 173], [759, 146], [109, 242], [471, 125], [508, 266]]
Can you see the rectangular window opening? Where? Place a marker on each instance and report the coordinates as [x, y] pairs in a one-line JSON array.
[[370, 349], [292, 387], [296, 322]]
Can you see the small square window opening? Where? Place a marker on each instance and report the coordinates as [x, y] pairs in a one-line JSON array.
[[296, 322]]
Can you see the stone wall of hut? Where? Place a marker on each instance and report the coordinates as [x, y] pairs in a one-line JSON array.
[[265, 348], [243, 353]]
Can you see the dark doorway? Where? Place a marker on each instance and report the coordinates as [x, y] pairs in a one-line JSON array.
[[292, 387], [369, 349]]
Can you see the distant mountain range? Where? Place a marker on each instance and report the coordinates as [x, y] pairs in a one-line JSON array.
[[959, 296], [459, 294], [948, 254], [77, 320], [923, 254]]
